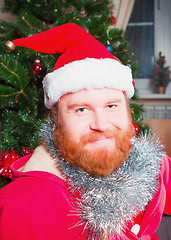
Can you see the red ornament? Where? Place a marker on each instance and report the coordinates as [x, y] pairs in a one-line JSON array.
[[8, 158], [26, 151], [136, 128], [5, 162], [133, 83], [37, 67]]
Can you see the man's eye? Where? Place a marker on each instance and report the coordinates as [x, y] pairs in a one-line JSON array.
[[111, 106], [81, 110]]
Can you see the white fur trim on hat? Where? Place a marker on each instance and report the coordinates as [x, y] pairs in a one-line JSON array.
[[86, 74]]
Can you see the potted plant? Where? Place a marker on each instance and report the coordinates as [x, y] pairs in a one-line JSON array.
[[161, 75]]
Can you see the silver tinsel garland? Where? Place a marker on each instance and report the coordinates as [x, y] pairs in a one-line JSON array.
[[107, 204]]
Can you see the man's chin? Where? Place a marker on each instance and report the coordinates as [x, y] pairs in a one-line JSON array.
[[104, 161]]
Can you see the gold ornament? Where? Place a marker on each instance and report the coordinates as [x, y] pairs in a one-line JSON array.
[[9, 46]]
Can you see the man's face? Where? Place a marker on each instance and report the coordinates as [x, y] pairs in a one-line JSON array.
[[94, 130]]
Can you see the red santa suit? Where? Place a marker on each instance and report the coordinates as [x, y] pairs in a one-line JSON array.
[[37, 206]]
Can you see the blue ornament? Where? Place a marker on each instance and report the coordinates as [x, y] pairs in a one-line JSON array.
[[109, 47]]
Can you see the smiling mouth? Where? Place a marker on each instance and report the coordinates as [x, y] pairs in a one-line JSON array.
[[100, 140]]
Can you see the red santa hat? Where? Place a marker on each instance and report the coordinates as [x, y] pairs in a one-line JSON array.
[[84, 63]]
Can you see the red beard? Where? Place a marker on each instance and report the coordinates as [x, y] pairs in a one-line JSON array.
[[101, 162]]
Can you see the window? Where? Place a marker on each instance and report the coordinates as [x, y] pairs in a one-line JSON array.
[[140, 35]]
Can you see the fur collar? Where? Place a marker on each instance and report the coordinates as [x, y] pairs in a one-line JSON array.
[[107, 204]]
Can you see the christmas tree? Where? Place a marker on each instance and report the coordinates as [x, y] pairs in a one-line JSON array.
[[22, 71], [161, 74]]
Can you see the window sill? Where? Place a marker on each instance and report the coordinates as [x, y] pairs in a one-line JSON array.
[[154, 96]]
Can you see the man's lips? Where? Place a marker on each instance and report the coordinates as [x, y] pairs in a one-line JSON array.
[[95, 139], [99, 140], [104, 142]]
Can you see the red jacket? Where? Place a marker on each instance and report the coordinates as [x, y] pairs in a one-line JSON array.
[[37, 206]]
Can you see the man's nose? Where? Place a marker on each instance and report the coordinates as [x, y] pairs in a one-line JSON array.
[[98, 122]]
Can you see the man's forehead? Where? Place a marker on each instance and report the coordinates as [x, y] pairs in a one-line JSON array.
[[94, 93], [92, 97]]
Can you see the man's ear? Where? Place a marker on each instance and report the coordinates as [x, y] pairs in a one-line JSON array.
[[55, 112]]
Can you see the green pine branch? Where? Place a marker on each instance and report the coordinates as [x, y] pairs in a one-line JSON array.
[[14, 80]]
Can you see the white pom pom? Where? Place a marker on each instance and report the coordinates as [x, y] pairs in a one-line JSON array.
[[135, 229]]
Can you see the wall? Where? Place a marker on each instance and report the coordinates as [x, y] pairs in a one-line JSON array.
[[162, 129], [5, 16]]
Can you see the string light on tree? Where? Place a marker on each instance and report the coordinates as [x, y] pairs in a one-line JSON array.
[[111, 15]]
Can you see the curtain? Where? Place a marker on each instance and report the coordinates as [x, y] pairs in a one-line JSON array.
[[122, 12]]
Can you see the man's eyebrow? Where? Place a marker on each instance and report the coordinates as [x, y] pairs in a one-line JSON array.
[[75, 105], [115, 100], [85, 104]]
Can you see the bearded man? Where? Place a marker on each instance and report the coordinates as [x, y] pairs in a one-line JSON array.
[[90, 178]]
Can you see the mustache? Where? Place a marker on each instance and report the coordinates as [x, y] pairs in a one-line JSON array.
[[95, 136]]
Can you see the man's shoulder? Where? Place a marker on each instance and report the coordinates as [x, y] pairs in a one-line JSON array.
[[33, 194], [39, 201], [31, 187], [41, 160]]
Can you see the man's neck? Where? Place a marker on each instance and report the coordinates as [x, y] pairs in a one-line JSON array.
[[41, 160]]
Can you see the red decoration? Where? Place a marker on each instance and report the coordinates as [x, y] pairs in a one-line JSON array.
[[37, 67], [133, 83], [26, 151], [8, 158], [5, 162], [136, 128], [111, 14]]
